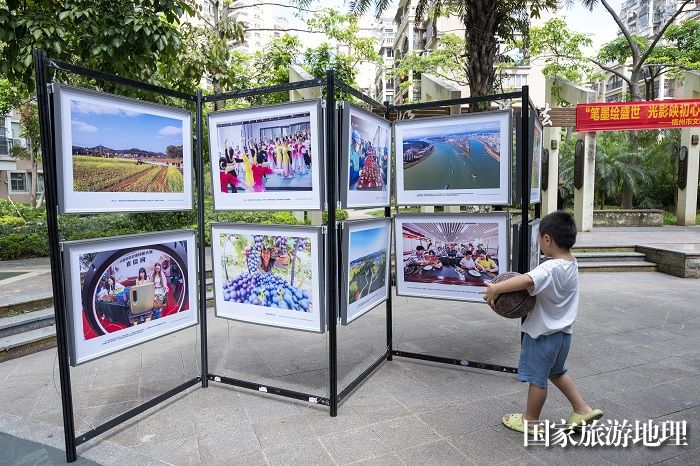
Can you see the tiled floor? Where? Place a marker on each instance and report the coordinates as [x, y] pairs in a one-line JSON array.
[[635, 354]]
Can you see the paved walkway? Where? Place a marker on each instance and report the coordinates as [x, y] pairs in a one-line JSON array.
[[636, 354]]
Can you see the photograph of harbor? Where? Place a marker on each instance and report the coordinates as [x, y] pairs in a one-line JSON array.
[[458, 156], [445, 157]]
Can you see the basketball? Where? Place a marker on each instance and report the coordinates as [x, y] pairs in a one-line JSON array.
[[514, 304]]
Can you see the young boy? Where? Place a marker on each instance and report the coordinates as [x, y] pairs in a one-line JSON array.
[[547, 328]]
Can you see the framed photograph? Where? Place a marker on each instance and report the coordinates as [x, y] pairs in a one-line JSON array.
[[534, 255], [127, 290], [366, 159], [269, 275], [366, 256], [115, 154], [454, 160], [268, 158], [450, 256], [536, 173]]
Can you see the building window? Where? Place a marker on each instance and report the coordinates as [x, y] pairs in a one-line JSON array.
[[5, 145], [515, 81], [615, 82], [389, 52], [18, 182], [16, 130], [39, 183]]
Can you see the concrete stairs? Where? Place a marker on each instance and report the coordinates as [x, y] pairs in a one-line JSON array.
[[29, 327], [612, 259]]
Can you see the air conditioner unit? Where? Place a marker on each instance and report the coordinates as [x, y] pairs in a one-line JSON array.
[[19, 142]]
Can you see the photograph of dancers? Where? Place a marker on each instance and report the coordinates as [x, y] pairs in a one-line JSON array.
[[272, 154]]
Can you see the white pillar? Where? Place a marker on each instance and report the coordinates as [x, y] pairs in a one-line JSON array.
[[552, 138], [584, 197], [686, 207], [453, 208], [427, 209], [315, 217], [299, 215]]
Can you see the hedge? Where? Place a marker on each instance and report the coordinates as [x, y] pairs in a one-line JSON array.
[[23, 231]]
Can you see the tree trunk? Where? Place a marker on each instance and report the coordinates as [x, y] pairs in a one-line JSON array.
[[35, 179], [32, 188], [481, 19], [627, 198]]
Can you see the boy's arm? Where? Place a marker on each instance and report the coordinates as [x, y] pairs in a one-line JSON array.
[[521, 282], [494, 290]]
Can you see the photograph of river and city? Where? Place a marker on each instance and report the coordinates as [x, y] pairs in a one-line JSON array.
[[455, 156]]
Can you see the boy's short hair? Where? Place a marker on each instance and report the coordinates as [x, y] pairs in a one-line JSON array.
[[420, 248], [561, 227]]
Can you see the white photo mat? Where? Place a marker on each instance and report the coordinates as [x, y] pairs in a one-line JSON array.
[[439, 194], [357, 236], [80, 113], [272, 199], [314, 321], [83, 350], [536, 162], [496, 222]]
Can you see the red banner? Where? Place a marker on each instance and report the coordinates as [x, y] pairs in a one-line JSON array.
[[652, 114]]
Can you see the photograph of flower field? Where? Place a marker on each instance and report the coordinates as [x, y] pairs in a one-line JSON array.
[[116, 150]]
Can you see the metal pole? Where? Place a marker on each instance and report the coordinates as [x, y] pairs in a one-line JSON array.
[[201, 246], [524, 164], [49, 164], [389, 309], [332, 271], [525, 174]]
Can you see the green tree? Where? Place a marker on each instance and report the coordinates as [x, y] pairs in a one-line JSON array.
[[128, 37], [615, 168], [486, 24], [445, 62]]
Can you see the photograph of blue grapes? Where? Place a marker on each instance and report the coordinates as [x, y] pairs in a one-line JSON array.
[[267, 271]]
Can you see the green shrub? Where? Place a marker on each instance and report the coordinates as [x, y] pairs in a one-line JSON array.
[[12, 222], [19, 245]]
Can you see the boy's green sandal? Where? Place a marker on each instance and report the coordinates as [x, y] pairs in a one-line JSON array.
[[515, 422], [577, 420]]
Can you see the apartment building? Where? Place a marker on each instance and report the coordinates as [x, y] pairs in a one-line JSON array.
[[15, 174], [384, 81]]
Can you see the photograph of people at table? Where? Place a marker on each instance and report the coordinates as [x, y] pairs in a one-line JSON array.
[[272, 154], [449, 256]]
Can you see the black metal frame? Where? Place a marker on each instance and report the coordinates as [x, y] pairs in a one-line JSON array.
[[524, 165], [45, 104], [331, 84]]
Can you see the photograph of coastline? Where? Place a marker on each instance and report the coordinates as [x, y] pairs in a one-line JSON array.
[[132, 155], [450, 256], [366, 246], [366, 149], [267, 157], [454, 160]]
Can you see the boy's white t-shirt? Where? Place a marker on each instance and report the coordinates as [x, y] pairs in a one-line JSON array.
[[556, 287]]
